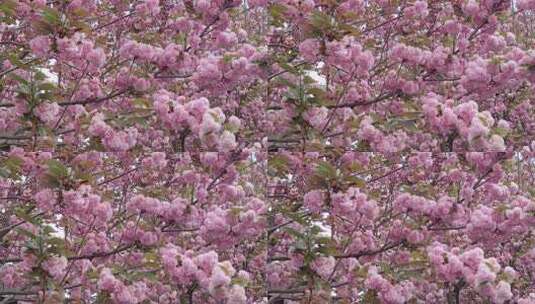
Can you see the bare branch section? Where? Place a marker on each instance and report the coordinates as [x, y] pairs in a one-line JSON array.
[[82, 257]]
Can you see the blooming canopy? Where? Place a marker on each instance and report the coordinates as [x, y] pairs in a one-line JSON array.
[[267, 151]]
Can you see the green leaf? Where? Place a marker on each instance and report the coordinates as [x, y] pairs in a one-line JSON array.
[[371, 297], [297, 217], [235, 211], [12, 165], [17, 78], [294, 232], [289, 68], [8, 7], [57, 169], [283, 82], [102, 298], [84, 177], [327, 250], [50, 181], [238, 281], [43, 27], [58, 246], [349, 30], [279, 163], [4, 173], [277, 13], [320, 21], [25, 232], [141, 102], [307, 80], [501, 209], [32, 245], [151, 256], [325, 170], [92, 274], [300, 245], [308, 258], [46, 86], [320, 96], [47, 230], [51, 16], [325, 240], [501, 131], [410, 115], [14, 59], [141, 275], [56, 174], [227, 58], [355, 181], [315, 230]]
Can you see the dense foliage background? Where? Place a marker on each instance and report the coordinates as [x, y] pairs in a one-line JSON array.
[[267, 151]]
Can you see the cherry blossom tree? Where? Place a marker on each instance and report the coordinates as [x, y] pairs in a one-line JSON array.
[[267, 151], [401, 228]]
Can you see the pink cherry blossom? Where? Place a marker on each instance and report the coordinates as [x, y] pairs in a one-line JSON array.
[[226, 151], [40, 45]]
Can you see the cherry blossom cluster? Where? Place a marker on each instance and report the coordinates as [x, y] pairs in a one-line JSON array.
[[267, 151]]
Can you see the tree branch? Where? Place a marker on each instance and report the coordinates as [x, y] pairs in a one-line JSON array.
[[363, 103], [93, 100], [81, 257], [368, 253]]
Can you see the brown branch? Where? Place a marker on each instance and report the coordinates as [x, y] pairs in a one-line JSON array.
[[118, 177], [3, 73], [351, 255], [113, 21], [8, 137], [363, 103], [180, 229], [103, 254], [285, 71], [286, 291], [158, 75], [81, 257], [430, 228], [93, 100], [16, 292], [368, 253], [386, 174], [7, 229]]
